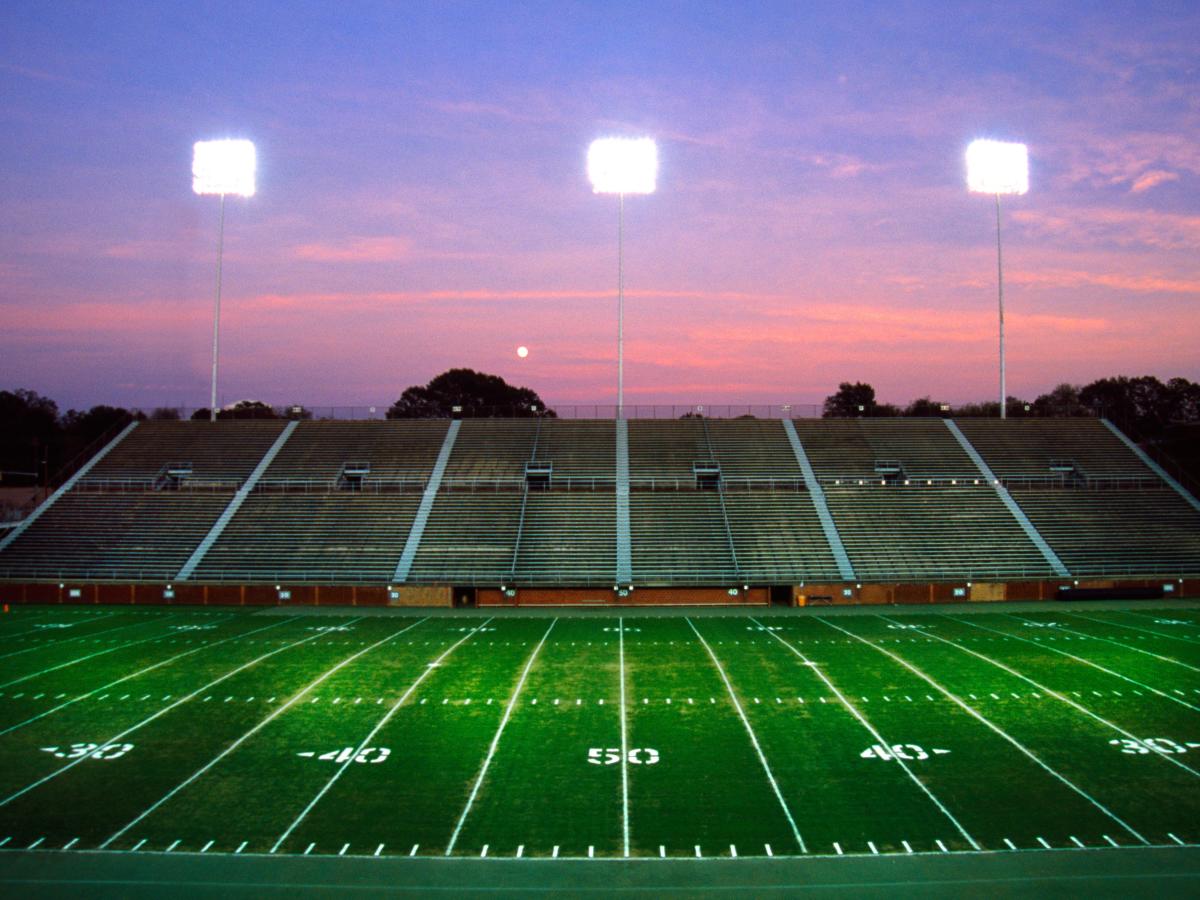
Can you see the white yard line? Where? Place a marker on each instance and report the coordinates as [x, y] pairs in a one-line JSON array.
[[161, 712], [878, 737], [1062, 697], [139, 672], [512, 702], [279, 710], [1080, 659], [624, 740], [55, 642], [1161, 634], [367, 740], [753, 739], [79, 659], [1115, 643], [975, 714]]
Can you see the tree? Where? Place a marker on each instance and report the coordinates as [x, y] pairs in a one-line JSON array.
[[165, 414], [1062, 402], [925, 407], [82, 429], [243, 409], [478, 395], [30, 436], [851, 400], [1141, 406]]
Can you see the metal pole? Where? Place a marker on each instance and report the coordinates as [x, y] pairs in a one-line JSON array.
[[212, 406], [621, 307], [1000, 282]]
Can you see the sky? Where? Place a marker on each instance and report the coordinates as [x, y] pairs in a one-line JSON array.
[[422, 200]]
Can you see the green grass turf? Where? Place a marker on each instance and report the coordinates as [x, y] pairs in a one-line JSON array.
[[747, 734]]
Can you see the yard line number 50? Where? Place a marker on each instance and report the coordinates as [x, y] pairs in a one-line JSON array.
[[610, 756]]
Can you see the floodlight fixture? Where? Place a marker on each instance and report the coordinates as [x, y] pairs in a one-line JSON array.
[[622, 166], [222, 167], [998, 167]]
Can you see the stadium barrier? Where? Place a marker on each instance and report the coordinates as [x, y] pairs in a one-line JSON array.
[[427, 596]]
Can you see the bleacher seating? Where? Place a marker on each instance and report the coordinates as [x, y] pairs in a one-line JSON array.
[[568, 537], [223, 451], [329, 537], [396, 451], [1024, 448], [850, 448], [133, 535], [534, 501], [1115, 530], [934, 533]]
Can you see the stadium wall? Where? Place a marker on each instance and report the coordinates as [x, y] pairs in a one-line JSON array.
[[836, 594]]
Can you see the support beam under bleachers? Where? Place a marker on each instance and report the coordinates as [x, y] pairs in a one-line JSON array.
[[235, 504], [1006, 498], [624, 541], [431, 489], [67, 485], [1153, 466], [818, 496]]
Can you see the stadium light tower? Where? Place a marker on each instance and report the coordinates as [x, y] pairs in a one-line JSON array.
[[622, 166], [998, 167], [222, 167]]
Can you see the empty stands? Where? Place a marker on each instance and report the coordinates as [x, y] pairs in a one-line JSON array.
[[534, 502]]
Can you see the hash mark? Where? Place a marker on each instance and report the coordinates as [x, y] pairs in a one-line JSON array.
[[941, 846], [309, 848], [871, 844], [483, 852], [591, 851], [1076, 841], [1042, 841], [907, 848], [241, 847], [554, 852], [342, 852], [1010, 844], [1110, 840], [767, 847], [35, 843], [837, 847], [697, 851], [520, 850], [662, 852], [413, 851], [733, 851], [378, 850], [1175, 839], [71, 843], [138, 845], [174, 844], [204, 849]]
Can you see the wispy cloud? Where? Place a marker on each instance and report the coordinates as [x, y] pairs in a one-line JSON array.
[[354, 250]]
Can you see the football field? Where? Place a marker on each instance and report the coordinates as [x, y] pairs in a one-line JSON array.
[[577, 736]]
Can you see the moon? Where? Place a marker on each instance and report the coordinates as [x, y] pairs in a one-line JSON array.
[[522, 352]]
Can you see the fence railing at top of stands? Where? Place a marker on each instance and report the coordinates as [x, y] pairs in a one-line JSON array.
[[559, 410]]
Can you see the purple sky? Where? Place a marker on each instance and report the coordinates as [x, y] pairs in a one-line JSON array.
[[423, 203]]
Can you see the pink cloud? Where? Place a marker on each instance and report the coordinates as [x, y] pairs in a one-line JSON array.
[[355, 250], [1153, 178]]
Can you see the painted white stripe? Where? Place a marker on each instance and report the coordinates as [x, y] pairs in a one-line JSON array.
[[941, 846], [35, 844], [837, 847], [1076, 841], [1080, 659], [204, 849], [174, 844], [512, 702], [1175, 839], [555, 853], [309, 848], [907, 847], [874, 732], [71, 843], [138, 845], [241, 847], [166, 709], [1010, 844], [413, 851], [253, 731], [520, 850], [871, 847], [996, 729], [124, 678], [624, 740], [1042, 841], [1064, 698], [753, 739], [698, 851], [366, 742], [1161, 634], [54, 643], [767, 847], [662, 852], [342, 852], [79, 659], [1111, 841], [378, 850], [1116, 643]]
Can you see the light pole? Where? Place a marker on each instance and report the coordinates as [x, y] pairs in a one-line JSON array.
[[998, 167], [622, 166], [221, 167]]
